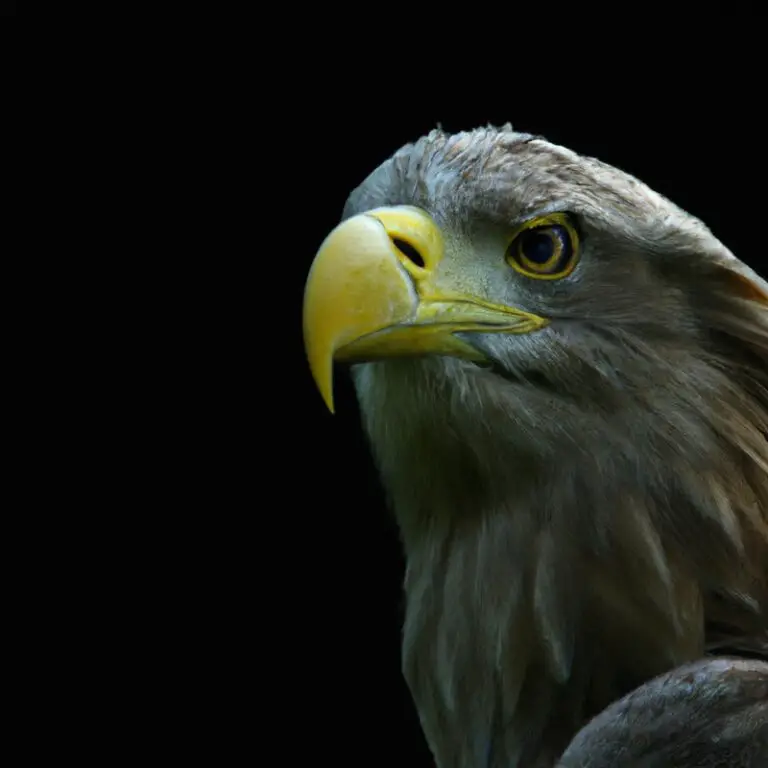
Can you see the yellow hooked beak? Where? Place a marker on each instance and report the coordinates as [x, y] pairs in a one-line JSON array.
[[371, 294]]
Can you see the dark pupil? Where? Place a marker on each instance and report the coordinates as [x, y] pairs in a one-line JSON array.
[[538, 247]]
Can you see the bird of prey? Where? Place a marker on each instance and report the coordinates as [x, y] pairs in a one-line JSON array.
[[564, 380]]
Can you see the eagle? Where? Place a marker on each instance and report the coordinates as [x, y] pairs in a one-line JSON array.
[[563, 377]]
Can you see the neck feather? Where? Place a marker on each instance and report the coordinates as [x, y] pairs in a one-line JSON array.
[[548, 575]]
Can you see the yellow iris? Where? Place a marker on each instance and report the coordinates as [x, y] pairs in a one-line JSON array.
[[546, 248]]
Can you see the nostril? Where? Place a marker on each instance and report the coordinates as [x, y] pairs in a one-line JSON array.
[[408, 251]]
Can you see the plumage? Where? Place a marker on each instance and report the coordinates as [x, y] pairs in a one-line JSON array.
[[587, 507]]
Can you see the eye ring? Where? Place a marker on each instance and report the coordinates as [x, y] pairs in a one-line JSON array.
[[545, 249]]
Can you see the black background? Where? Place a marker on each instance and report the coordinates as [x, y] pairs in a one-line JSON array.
[[696, 143]]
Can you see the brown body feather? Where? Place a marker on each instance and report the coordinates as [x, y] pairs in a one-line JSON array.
[[593, 511]]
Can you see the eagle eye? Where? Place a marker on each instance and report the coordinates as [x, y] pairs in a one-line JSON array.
[[545, 249]]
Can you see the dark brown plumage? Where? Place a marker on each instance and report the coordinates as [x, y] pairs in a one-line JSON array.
[[705, 714], [588, 508]]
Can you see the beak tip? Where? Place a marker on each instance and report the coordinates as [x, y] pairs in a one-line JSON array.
[[322, 374]]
